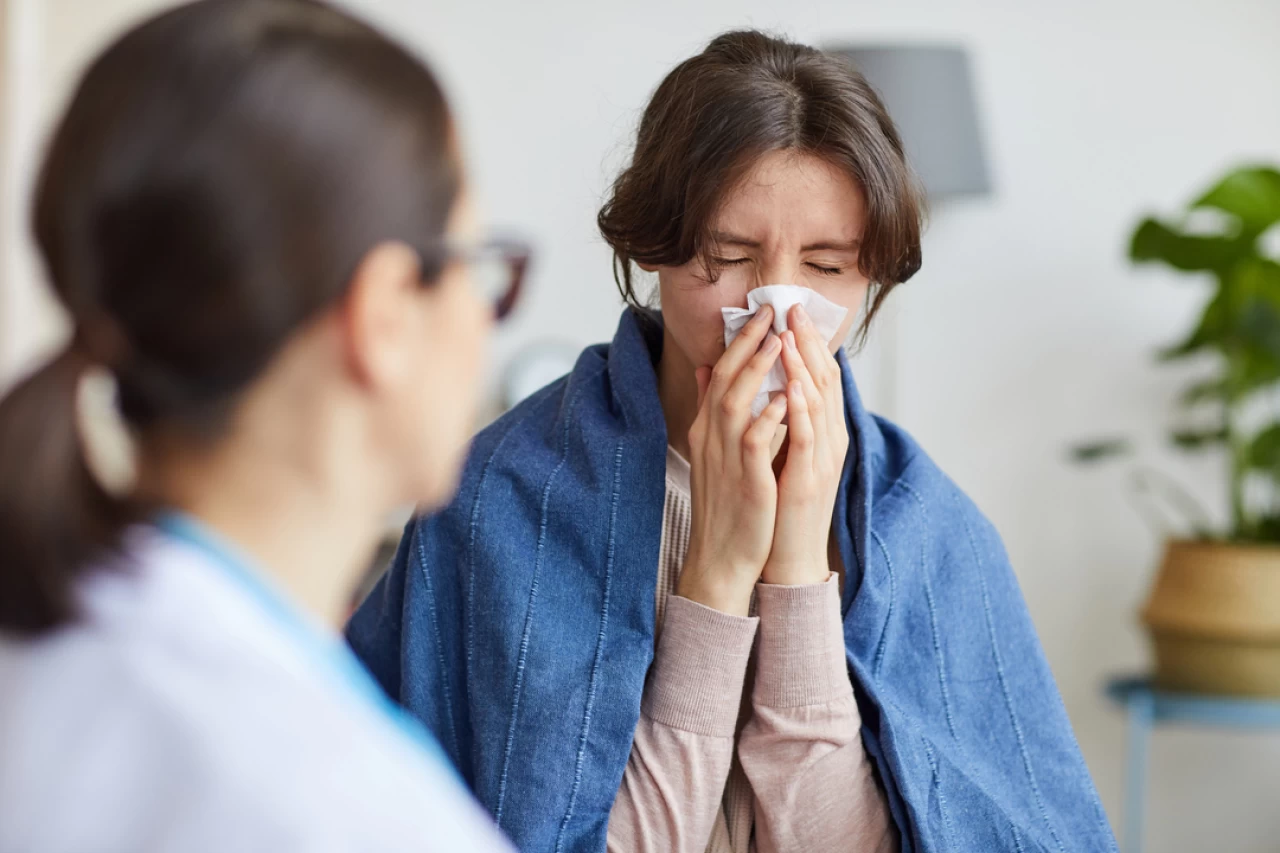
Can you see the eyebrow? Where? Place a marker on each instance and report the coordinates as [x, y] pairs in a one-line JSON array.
[[725, 238]]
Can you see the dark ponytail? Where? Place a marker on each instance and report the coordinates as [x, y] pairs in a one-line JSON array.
[[54, 516], [221, 171]]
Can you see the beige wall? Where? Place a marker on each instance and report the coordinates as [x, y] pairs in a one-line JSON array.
[[5, 238], [44, 54], [75, 30]]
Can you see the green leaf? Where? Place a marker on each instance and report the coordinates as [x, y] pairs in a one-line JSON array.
[[1252, 368], [1264, 450], [1251, 194], [1242, 320], [1208, 390], [1155, 241], [1209, 332], [1192, 439], [1097, 451], [1255, 287]]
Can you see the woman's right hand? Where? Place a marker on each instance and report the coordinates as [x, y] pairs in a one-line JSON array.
[[734, 490]]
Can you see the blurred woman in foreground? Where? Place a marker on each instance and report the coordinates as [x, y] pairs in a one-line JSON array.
[[255, 214]]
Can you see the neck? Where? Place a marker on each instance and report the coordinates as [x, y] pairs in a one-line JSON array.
[[310, 530], [678, 392]]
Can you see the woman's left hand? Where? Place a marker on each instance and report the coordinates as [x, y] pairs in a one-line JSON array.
[[817, 441]]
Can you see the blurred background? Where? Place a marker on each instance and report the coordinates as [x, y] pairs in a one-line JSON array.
[[1027, 329]]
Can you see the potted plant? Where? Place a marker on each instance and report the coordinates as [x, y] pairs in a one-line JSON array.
[[1214, 609]]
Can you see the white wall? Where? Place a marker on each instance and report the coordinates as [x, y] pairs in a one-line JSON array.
[[46, 44], [1026, 329]]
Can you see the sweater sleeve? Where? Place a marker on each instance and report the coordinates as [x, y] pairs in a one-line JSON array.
[[802, 751], [674, 780]]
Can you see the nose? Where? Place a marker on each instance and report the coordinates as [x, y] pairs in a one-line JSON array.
[[777, 268]]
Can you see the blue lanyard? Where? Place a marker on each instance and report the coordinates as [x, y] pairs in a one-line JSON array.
[[325, 651]]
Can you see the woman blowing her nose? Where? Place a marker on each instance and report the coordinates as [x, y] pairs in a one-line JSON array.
[[654, 620], [256, 216]]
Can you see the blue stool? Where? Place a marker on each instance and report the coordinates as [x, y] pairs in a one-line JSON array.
[[1148, 707]]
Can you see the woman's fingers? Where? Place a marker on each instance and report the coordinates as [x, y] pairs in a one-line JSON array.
[[703, 377], [698, 429], [757, 443], [824, 371], [735, 404], [815, 350], [741, 351], [800, 429], [798, 371]]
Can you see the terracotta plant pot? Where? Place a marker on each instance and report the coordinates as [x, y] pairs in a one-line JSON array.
[[1214, 618]]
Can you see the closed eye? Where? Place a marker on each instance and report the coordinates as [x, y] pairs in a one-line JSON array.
[[729, 262], [825, 270]]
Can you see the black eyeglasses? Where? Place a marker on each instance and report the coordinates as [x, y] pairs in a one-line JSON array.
[[496, 267]]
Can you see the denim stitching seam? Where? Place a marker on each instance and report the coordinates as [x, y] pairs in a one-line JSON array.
[[937, 792], [473, 529], [884, 632], [1004, 689], [599, 653], [435, 629], [933, 612], [533, 599]]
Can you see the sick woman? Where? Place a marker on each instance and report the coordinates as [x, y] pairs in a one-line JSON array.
[[693, 596]]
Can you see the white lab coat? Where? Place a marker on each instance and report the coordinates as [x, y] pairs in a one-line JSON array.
[[178, 716]]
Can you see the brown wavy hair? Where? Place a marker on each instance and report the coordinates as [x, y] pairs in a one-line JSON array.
[[715, 114]]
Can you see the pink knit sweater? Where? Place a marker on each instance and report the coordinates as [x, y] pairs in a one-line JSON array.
[[724, 762]]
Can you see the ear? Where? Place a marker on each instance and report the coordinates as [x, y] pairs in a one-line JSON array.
[[378, 317]]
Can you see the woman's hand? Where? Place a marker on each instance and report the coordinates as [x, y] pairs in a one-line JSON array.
[[817, 441], [734, 491]]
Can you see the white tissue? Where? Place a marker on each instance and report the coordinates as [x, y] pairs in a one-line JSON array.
[[827, 317]]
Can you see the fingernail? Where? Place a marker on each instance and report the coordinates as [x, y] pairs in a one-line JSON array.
[[802, 316], [764, 315], [771, 343], [796, 390], [790, 338]]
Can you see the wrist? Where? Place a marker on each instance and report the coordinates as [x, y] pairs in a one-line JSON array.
[[802, 572], [719, 591]]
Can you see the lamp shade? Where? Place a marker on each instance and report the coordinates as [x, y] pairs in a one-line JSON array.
[[928, 91]]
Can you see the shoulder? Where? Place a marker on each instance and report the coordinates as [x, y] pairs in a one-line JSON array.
[[611, 392], [513, 454], [534, 419], [933, 561], [913, 498], [196, 741]]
